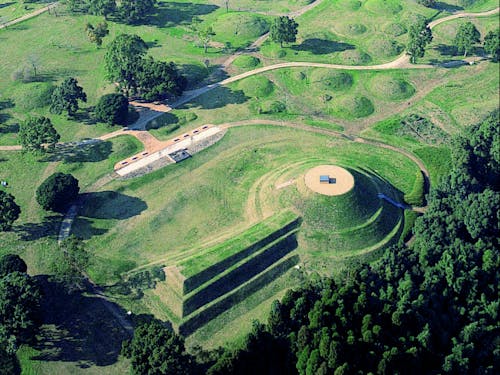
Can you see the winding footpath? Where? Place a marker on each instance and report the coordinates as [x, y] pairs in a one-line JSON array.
[[29, 15]]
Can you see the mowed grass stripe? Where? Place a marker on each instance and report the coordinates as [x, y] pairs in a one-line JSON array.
[[218, 306], [230, 251], [240, 273]]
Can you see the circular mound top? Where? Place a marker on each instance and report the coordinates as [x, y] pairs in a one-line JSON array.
[[329, 180]]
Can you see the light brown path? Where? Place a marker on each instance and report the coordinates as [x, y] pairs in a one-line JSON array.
[[28, 16]]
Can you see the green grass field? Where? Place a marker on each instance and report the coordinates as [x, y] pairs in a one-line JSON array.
[[253, 173]]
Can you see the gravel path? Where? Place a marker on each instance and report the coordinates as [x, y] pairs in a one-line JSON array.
[[28, 16]]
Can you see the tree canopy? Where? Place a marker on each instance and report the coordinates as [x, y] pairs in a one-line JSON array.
[[38, 134], [126, 64], [66, 96], [427, 3], [170, 357], [70, 266], [9, 211], [112, 109], [123, 56], [492, 44], [57, 192], [419, 35], [467, 36], [159, 80], [283, 29], [12, 263], [135, 11], [19, 308], [97, 33]]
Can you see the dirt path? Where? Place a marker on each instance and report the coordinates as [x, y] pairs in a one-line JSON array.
[[28, 16]]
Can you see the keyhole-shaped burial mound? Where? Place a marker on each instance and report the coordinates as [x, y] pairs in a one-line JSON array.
[[329, 180]]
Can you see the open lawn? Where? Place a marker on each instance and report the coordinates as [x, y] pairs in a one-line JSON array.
[[187, 213]]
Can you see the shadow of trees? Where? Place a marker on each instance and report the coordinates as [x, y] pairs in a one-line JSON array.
[[319, 46], [111, 205], [217, 98], [77, 328], [439, 5], [49, 227], [12, 128], [76, 152], [4, 5], [446, 50], [174, 13]]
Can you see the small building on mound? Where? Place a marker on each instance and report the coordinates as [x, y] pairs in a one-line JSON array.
[[325, 179]]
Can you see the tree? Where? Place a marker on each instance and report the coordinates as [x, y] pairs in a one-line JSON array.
[[57, 192], [19, 308], [159, 80], [419, 36], [284, 29], [112, 109], [34, 62], [9, 211], [155, 349], [135, 11], [12, 263], [66, 96], [427, 3], [467, 36], [102, 7], [38, 134], [205, 36], [122, 58], [70, 267], [95, 34], [492, 44]]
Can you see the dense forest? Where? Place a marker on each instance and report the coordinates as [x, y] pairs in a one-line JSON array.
[[431, 307]]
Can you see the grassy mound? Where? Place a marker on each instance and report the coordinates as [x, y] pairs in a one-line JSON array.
[[331, 79], [353, 107], [257, 86], [391, 88], [385, 47], [395, 29], [350, 4], [354, 29], [245, 61], [384, 6], [239, 28], [352, 222], [355, 57]]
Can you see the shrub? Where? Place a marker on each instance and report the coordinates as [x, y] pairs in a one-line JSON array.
[[331, 79], [391, 88], [12, 263], [57, 192], [112, 109], [356, 106], [9, 210], [246, 61], [273, 107]]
